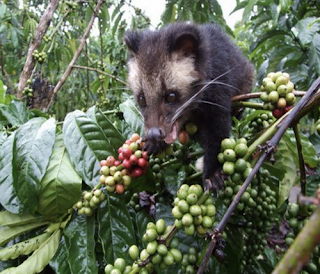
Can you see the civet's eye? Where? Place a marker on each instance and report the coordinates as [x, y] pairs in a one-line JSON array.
[[142, 101], [171, 97]]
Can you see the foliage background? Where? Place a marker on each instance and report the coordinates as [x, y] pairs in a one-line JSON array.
[[275, 35]]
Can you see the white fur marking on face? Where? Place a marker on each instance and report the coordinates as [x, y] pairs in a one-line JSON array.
[[181, 73], [133, 75]]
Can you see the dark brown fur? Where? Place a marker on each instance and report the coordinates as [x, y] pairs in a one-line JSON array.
[[212, 70]]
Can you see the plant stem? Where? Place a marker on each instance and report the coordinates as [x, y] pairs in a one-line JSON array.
[[35, 43], [194, 176], [170, 162], [255, 95], [301, 160], [102, 72], [195, 154]]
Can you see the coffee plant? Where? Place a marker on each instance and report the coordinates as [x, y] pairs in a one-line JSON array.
[[80, 195]]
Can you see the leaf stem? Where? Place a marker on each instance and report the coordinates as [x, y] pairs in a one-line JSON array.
[[194, 176]]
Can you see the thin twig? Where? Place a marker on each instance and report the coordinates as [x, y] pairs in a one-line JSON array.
[[35, 43], [245, 104], [255, 95], [102, 72], [75, 57], [301, 160]]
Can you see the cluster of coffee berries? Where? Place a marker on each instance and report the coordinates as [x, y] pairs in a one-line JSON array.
[[231, 158], [119, 267], [101, 65], [189, 129], [134, 202], [39, 56], [260, 122], [101, 78], [258, 208], [189, 261], [193, 209], [157, 251], [155, 165], [90, 200], [47, 38], [28, 91], [132, 162], [297, 216], [277, 93]]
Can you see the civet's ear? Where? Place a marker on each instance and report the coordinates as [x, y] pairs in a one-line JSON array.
[[184, 39], [132, 40], [186, 43]]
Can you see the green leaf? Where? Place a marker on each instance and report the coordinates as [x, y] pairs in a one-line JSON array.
[[314, 51], [143, 183], [285, 5], [173, 178], [140, 220], [32, 150], [9, 199], [248, 9], [116, 10], [116, 23], [80, 242], [275, 12], [168, 16], [23, 248], [114, 137], [305, 31], [9, 219], [14, 37], [86, 144], [7, 233], [133, 116], [59, 262], [308, 150], [61, 185], [3, 10], [285, 52], [271, 256], [40, 258], [163, 211], [16, 112], [312, 184], [116, 230], [285, 161], [104, 18], [272, 35]]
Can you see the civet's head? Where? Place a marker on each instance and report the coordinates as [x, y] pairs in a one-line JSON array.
[[163, 75]]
